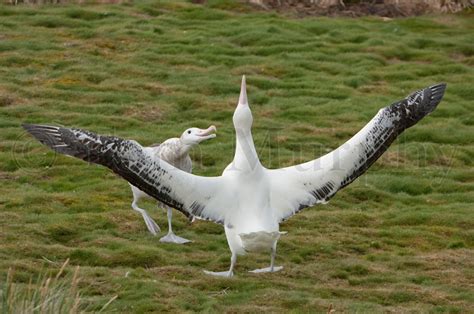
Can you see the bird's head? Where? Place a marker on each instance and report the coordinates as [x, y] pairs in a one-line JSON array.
[[242, 115], [194, 136]]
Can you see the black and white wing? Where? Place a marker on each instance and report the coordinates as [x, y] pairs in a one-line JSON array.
[[203, 197], [297, 187]]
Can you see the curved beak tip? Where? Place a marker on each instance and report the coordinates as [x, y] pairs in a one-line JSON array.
[[243, 92], [209, 131]]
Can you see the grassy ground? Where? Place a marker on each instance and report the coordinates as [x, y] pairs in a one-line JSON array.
[[399, 239]]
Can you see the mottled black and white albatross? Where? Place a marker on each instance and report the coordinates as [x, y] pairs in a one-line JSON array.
[[248, 199], [174, 151]]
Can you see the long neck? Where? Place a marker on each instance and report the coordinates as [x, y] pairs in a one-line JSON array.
[[245, 158], [184, 149], [175, 148]]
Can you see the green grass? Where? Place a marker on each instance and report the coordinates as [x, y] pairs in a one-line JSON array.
[[398, 239], [51, 293]]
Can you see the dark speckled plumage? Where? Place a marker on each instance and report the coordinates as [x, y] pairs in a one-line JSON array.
[[248, 199], [402, 114], [128, 159], [324, 177]]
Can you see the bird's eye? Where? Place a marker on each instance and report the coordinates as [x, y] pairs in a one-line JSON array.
[[189, 131]]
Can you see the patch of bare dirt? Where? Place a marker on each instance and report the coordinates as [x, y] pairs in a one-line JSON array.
[[8, 98], [384, 8], [147, 113]]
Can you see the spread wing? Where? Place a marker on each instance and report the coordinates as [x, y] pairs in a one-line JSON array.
[[202, 197], [316, 181]]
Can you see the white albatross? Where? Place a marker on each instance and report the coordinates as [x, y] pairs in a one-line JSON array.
[[248, 199], [175, 151]]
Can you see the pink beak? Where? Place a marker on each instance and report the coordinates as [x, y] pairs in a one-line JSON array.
[[210, 130], [243, 93]]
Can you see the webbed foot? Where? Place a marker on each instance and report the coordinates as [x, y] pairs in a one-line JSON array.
[[267, 270], [172, 238], [227, 274]]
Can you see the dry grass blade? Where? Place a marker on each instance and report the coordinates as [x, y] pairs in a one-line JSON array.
[[49, 294], [62, 269], [108, 303]]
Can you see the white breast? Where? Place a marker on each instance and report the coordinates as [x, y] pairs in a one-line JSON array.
[[259, 241]]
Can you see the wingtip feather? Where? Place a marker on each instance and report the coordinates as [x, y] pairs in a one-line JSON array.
[[436, 93], [37, 127], [27, 126], [45, 134]]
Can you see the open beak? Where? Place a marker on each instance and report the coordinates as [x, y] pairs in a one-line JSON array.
[[208, 133]]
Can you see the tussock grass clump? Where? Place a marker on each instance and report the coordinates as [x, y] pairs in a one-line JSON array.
[[58, 293]]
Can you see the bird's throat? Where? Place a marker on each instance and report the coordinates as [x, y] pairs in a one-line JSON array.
[[245, 158]]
